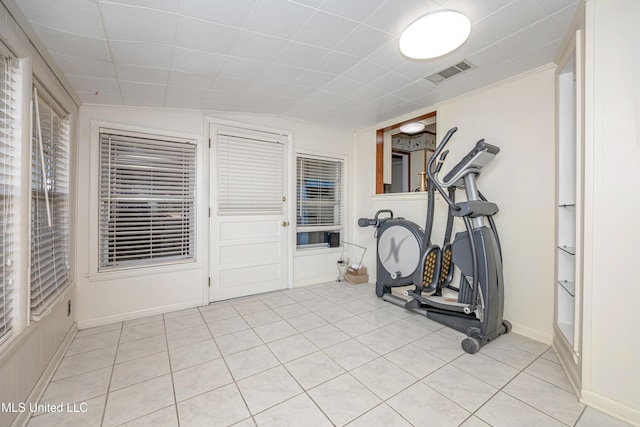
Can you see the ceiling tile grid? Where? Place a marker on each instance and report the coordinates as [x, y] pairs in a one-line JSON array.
[[333, 62]]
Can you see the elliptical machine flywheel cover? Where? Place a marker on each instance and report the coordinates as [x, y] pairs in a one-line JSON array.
[[399, 247]]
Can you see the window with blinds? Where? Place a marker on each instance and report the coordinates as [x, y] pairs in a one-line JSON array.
[[9, 152], [147, 200], [49, 205], [250, 175], [319, 202]]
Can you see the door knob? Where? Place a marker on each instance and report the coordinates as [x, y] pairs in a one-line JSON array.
[[284, 223]]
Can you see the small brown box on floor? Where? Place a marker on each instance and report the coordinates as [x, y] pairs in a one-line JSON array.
[[362, 271], [356, 276]]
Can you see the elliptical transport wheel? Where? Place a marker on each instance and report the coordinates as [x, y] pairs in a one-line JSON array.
[[471, 345], [507, 325]]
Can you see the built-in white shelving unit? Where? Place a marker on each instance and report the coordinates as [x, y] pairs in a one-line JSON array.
[[569, 184]]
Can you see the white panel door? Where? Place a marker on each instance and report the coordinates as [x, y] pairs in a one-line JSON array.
[[249, 227]]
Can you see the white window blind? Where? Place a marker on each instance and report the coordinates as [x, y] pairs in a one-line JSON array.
[[319, 194], [9, 151], [250, 175], [49, 205], [147, 199]]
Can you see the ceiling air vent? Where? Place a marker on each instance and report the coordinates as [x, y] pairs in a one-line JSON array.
[[447, 73]]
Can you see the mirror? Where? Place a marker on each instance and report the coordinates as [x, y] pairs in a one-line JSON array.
[[402, 154]]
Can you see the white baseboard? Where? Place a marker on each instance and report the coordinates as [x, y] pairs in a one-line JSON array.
[[100, 321], [34, 397], [534, 334], [306, 282], [610, 407]]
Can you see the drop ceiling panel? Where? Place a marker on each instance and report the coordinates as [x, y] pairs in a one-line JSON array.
[[132, 73], [100, 98], [297, 92], [553, 6], [72, 45], [391, 81], [356, 10], [366, 94], [226, 12], [263, 88], [138, 24], [395, 15], [300, 55], [181, 78], [510, 19], [315, 31], [342, 86], [79, 17], [269, 17], [257, 46], [280, 73], [313, 79], [88, 84], [85, 67], [242, 68], [365, 72], [193, 61], [335, 62], [540, 55], [188, 95], [388, 55], [166, 5], [141, 94], [204, 36], [539, 34], [362, 41], [563, 17], [476, 10], [141, 54], [413, 92], [230, 84], [487, 57], [330, 61]]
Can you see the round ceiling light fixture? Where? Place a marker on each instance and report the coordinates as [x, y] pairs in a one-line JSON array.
[[413, 127], [435, 34]]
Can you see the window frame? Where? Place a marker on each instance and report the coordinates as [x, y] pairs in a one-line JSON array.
[[340, 228], [10, 257], [167, 138], [62, 174]]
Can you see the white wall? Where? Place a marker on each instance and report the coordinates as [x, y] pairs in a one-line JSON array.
[[107, 297], [518, 115], [611, 349]]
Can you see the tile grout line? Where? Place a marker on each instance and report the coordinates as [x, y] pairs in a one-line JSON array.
[[108, 392], [501, 389], [235, 383], [173, 384]]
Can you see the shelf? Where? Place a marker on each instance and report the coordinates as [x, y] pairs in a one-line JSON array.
[[567, 205], [568, 249], [570, 287]]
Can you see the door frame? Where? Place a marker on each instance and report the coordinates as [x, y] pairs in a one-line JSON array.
[[212, 124]]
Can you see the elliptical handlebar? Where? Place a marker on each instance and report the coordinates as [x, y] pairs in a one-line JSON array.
[[433, 176], [375, 221]]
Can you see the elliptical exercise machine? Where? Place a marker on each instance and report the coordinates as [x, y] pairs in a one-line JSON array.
[[477, 310]]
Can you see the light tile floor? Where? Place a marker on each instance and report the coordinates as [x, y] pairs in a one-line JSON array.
[[323, 355]]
